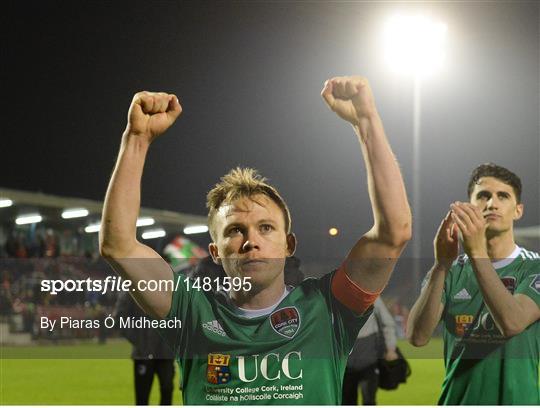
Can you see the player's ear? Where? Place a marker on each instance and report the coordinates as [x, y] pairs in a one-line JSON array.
[[519, 211], [291, 244], [214, 253]]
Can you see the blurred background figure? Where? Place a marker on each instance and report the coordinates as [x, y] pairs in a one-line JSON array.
[[377, 339], [151, 355], [293, 273]]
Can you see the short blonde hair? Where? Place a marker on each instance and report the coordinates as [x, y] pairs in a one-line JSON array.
[[242, 182]]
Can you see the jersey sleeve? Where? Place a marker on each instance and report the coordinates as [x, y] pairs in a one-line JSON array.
[[182, 299], [530, 284], [346, 321]]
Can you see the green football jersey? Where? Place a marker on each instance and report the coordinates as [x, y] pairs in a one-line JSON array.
[[296, 355], [482, 366]]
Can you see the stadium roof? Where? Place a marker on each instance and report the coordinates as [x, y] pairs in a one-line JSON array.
[[50, 208]]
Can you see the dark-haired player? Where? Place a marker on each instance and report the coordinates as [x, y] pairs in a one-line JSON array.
[[489, 299]]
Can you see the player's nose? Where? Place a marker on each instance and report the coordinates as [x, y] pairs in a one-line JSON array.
[[249, 245], [251, 242], [491, 203]]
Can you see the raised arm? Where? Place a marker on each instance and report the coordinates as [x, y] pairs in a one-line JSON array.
[[427, 310], [371, 261], [150, 114]]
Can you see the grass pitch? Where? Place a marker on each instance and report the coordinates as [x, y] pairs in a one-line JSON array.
[[424, 385], [101, 379]]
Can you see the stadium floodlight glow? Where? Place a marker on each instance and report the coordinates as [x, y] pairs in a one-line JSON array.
[[5, 202], [28, 219], [74, 213], [195, 229], [151, 234], [93, 228], [414, 44], [145, 221]]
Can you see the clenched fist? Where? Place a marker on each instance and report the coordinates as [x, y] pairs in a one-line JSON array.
[[151, 114], [350, 97]]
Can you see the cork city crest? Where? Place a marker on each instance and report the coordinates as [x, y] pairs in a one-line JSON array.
[[286, 321], [218, 371], [509, 283]]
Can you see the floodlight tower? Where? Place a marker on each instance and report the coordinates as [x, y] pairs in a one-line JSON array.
[[414, 46]]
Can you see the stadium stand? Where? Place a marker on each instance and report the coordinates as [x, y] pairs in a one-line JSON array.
[[63, 249]]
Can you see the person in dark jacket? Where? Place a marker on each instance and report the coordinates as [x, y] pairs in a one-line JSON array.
[[377, 339], [151, 355]]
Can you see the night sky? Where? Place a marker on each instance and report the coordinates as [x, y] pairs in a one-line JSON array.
[[249, 75]]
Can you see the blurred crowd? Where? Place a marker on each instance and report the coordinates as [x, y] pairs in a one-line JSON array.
[[27, 257], [23, 302], [40, 242]]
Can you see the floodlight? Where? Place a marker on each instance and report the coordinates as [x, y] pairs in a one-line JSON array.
[[5, 202], [93, 228], [414, 44], [74, 213], [151, 234], [195, 229], [145, 221], [28, 219]]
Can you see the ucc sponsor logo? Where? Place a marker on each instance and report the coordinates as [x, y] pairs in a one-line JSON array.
[[250, 367], [271, 366], [485, 322]]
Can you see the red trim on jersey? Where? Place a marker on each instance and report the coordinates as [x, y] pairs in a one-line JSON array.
[[350, 294]]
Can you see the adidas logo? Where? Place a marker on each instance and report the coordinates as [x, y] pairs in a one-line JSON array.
[[214, 327], [462, 295]]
